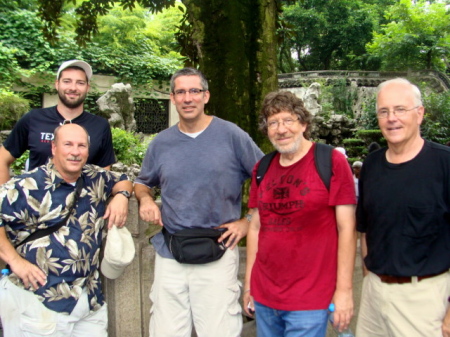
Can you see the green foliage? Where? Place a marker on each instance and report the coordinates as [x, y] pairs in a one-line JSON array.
[[19, 164], [369, 136], [21, 31], [12, 107], [368, 119], [436, 124], [417, 37], [327, 34], [137, 47], [337, 97], [352, 142], [87, 12], [128, 147]]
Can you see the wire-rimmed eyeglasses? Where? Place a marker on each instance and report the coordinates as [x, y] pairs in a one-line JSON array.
[[66, 121], [398, 111], [273, 125]]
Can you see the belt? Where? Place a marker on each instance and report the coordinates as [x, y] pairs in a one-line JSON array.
[[404, 279]]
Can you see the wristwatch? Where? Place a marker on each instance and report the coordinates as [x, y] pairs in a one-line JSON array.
[[125, 194]]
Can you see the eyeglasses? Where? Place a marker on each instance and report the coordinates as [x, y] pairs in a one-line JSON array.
[[273, 125], [397, 111], [66, 121], [192, 92]]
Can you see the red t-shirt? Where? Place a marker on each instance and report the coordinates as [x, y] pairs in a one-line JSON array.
[[296, 262]]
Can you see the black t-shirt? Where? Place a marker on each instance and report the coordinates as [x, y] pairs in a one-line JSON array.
[[404, 211], [34, 131]]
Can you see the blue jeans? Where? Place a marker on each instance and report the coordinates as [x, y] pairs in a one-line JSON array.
[[282, 323]]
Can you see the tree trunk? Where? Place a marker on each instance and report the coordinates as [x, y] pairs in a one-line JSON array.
[[236, 45]]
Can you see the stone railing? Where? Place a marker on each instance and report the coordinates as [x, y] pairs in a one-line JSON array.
[[437, 80]]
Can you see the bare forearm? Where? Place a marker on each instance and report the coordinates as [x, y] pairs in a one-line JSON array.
[[7, 251], [252, 247], [143, 193], [6, 159], [346, 258]]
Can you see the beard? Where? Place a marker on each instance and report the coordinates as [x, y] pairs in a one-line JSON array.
[[289, 148], [71, 104]]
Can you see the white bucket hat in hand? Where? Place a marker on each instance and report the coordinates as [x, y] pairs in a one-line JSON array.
[[119, 252]]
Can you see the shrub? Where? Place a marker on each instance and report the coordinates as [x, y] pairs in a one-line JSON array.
[[436, 124], [369, 136], [19, 164], [129, 147], [12, 107]]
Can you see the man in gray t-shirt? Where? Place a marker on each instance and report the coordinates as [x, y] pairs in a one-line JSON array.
[[200, 165]]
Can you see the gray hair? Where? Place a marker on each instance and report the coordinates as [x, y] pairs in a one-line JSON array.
[[189, 72], [414, 89]]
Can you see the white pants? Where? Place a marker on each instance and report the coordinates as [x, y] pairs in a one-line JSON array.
[[205, 294], [24, 316], [403, 310]]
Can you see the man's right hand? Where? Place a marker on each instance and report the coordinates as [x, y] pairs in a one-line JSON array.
[[149, 211], [30, 274]]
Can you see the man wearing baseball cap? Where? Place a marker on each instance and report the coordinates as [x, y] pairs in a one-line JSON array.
[[34, 131]]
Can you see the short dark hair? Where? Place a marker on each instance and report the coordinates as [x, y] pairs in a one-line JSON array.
[[189, 72], [284, 101]]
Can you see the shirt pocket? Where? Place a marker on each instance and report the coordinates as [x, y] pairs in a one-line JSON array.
[[421, 222]]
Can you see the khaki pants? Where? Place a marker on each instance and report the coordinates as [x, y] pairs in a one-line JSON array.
[[403, 310], [24, 316], [204, 294]]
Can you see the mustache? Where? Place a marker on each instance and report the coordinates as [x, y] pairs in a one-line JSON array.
[[75, 158]]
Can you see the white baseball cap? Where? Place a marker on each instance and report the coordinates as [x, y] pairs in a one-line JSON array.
[[76, 63], [119, 252]]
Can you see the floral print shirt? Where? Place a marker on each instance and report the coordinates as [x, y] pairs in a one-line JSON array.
[[69, 256]]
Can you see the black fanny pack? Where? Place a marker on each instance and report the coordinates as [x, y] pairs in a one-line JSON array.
[[195, 245]]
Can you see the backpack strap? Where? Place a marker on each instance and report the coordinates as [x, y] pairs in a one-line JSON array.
[[263, 166], [322, 160]]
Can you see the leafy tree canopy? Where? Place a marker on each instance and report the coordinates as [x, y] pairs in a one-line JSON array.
[[328, 35], [417, 37], [52, 11], [136, 46]]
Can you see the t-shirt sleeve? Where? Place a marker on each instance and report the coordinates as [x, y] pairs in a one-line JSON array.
[[148, 175], [17, 141]]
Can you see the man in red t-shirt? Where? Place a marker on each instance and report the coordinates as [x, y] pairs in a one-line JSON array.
[[301, 242]]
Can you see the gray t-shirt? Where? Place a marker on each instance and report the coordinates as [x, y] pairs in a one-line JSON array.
[[200, 178]]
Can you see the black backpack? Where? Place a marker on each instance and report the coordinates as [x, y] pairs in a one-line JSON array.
[[322, 159]]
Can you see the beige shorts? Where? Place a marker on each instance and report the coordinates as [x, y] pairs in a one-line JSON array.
[[413, 309], [206, 295]]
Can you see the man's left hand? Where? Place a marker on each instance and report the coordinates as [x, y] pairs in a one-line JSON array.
[[343, 302], [235, 231], [117, 211]]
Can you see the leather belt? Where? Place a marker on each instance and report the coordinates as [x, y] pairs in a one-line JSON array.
[[404, 279]]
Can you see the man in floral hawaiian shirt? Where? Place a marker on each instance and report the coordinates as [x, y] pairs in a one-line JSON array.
[[54, 288]]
